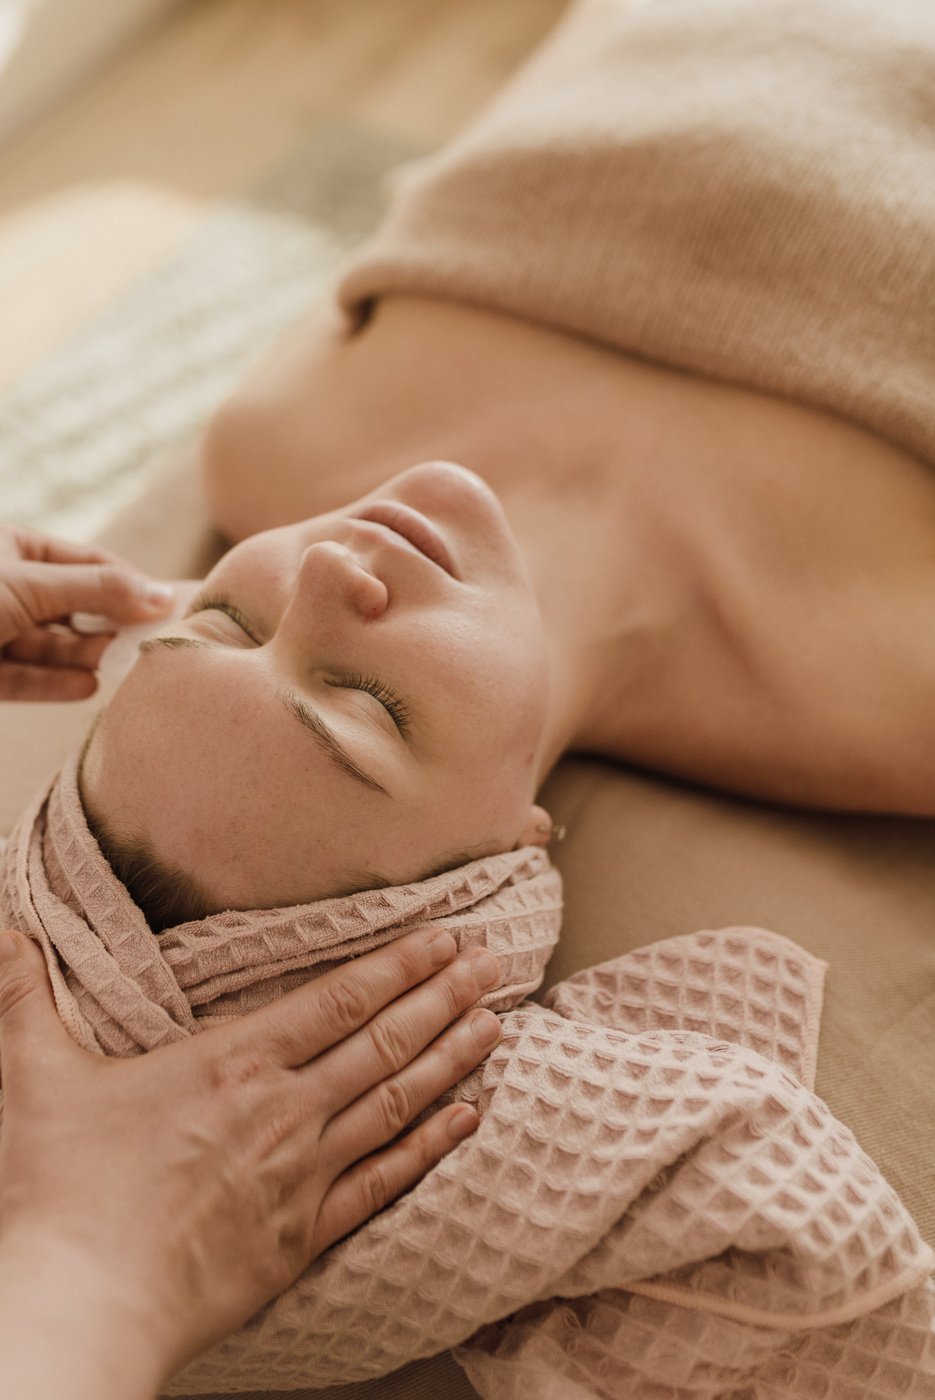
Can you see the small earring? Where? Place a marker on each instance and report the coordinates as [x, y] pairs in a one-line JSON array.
[[554, 831]]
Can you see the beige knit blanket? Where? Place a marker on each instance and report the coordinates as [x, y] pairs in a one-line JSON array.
[[744, 189], [654, 1204]]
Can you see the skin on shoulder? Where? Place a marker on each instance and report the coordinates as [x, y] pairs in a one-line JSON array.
[[352, 700], [749, 578]]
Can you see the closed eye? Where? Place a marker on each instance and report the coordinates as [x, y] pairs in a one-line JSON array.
[[351, 680], [224, 605], [397, 710]]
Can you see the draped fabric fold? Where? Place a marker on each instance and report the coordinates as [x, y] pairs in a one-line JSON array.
[[655, 1202], [739, 189]]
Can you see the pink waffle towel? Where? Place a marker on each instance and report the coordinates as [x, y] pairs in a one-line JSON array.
[[655, 1203]]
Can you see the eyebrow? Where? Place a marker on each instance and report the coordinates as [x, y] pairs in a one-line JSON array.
[[303, 712], [298, 707]]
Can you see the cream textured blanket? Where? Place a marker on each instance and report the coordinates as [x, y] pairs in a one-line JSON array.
[[744, 189], [654, 1204]]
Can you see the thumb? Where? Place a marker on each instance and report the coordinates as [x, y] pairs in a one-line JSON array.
[[29, 1022]]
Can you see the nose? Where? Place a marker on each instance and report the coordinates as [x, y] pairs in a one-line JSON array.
[[333, 582]]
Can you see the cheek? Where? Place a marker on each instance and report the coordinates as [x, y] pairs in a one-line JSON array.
[[499, 708], [514, 677], [181, 761], [494, 652]]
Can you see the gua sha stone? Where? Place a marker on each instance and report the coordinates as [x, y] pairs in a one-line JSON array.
[[121, 653]]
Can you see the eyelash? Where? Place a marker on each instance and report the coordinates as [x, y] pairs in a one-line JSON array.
[[351, 680], [223, 606]]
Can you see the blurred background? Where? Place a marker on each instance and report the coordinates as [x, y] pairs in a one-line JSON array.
[[179, 180], [48, 46]]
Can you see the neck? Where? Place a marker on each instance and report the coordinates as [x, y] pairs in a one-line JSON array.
[[594, 603]]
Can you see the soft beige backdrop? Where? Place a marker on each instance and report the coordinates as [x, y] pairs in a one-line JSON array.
[[213, 95], [116, 186]]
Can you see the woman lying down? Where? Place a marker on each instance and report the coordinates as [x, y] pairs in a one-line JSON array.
[[660, 373]]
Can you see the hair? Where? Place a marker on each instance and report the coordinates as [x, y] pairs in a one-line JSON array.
[[166, 896]]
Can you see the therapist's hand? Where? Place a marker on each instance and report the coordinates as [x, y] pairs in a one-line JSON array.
[[148, 1206], [43, 581]]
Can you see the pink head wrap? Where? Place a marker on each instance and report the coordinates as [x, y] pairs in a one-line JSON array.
[[654, 1202], [121, 989]]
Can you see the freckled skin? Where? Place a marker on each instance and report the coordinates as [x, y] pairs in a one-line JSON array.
[[736, 588], [679, 574], [197, 754]]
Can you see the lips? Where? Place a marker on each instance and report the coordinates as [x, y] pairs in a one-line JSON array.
[[413, 527]]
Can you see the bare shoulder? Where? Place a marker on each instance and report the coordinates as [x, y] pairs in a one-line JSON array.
[[802, 666], [328, 413], [794, 660], [276, 449]]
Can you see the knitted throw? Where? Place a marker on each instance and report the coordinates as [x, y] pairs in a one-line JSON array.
[[654, 1203], [743, 189]]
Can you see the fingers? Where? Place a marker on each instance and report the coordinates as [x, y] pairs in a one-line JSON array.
[[51, 663], [382, 1113], [50, 549], [305, 1022], [41, 592], [59, 646], [394, 1037], [44, 684], [373, 1183], [29, 1023]]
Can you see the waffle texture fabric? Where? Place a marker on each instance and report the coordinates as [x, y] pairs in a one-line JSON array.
[[655, 1202], [742, 189]]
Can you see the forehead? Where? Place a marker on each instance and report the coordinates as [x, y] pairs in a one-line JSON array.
[[252, 811]]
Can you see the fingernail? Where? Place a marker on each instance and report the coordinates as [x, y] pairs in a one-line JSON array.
[[9, 946], [442, 949], [485, 1029], [461, 1124], [486, 969], [158, 595]]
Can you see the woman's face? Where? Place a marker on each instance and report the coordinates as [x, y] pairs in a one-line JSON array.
[[341, 704]]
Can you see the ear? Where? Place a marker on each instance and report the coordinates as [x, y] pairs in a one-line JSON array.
[[537, 830]]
